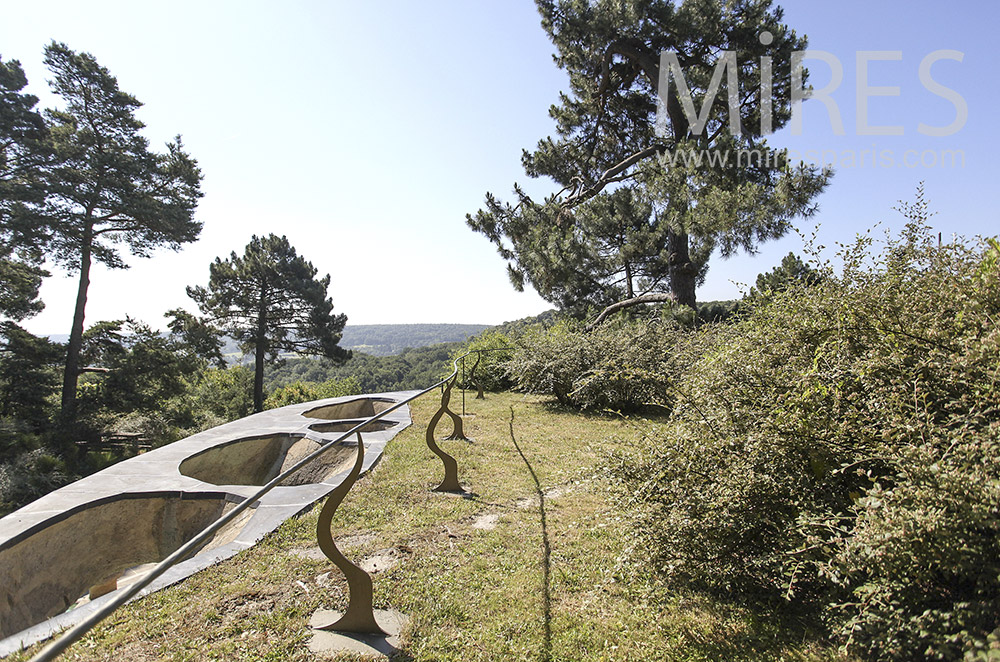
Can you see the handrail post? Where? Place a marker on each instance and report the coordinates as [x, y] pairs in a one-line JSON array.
[[359, 617], [458, 433], [450, 482], [472, 376]]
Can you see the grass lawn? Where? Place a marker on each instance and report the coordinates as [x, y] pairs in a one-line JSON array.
[[536, 564]]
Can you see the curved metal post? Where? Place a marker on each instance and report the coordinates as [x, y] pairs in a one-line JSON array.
[[472, 377], [458, 433], [359, 616], [458, 429], [450, 482]]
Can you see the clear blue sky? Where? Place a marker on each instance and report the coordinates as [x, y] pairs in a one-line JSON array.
[[366, 131]]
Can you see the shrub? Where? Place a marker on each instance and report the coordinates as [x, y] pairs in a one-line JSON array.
[[16, 437], [225, 394], [717, 311], [839, 447], [297, 392], [547, 360], [491, 373], [620, 365]]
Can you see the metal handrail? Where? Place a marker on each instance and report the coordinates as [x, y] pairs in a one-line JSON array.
[[71, 636]]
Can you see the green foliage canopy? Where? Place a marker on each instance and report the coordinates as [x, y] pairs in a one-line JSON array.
[[106, 187], [270, 300], [792, 271], [141, 368], [23, 154], [653, 233], [413, 368], [28, 375]]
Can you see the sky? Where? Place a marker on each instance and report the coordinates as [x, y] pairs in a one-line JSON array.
[[366, 131]]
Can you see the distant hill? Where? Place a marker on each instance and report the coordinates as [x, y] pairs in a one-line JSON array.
[[377, 339], [389, 339]]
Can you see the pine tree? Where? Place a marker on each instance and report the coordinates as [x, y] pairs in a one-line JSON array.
[[107, 186], [23, 155], [270, 300], [791, 271], [609, 138]]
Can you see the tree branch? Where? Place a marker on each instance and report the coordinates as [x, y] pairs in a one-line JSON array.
[[652, 297], [610, 175]]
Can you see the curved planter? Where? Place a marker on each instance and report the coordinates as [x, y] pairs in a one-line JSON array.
[[258, 460]]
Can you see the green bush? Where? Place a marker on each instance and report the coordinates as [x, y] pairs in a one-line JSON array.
[[491, 373], [297, 392], [839, 447], [547, 360], [16, 437], [224, 394], [29, 376], [620, 366], [717, 311]]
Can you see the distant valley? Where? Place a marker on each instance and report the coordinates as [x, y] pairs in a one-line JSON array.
[[377, 339], [388, 339]]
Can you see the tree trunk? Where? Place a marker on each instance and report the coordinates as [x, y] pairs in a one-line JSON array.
[[260, 352], [72, 372], [683, 274]]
